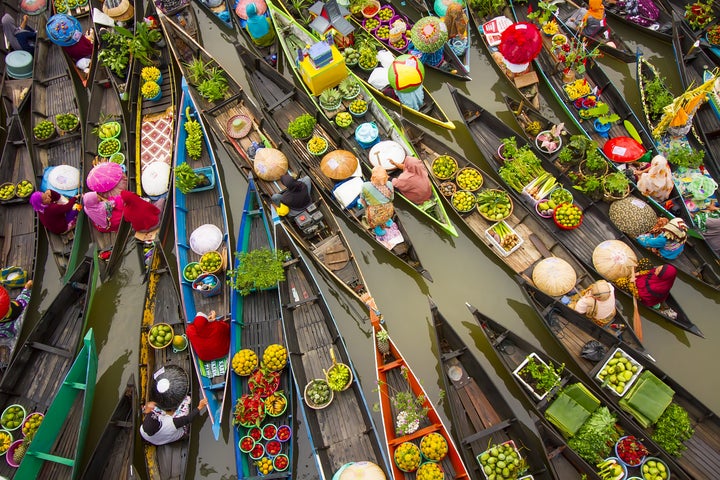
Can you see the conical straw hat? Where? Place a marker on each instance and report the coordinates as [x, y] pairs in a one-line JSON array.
[[554, 276], [339, 164], [614, 259]]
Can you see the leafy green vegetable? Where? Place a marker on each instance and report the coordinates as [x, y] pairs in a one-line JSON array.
[[672, 429], [595, 439]]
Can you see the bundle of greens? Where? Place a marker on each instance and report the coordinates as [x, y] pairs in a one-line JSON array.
[[595, 439], [521, 169], [672, 429]]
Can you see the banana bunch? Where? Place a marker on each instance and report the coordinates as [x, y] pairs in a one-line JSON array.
[[275, 403], [193, 142]]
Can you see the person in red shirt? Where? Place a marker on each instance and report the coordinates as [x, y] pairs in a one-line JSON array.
[[55, 212], [210, 339]]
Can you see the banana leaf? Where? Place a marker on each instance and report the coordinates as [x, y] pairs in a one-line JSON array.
[[647, 399], [567, 414]]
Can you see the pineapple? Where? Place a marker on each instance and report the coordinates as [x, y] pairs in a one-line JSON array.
[[383, 341], [20, 451]]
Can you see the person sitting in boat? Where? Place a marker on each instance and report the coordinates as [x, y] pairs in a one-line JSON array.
[[377, 196], [65, 31], [655, 179], [160, 428], [651, 285], [667, 238], [210, 339], [456, 22], [56, 212], [105, 214], [597, 303], [642, 12], [296, 194], [144, 216], [19, 37], [708, 222], [13, 308], [413, 182], [259, 27], [591, 19]]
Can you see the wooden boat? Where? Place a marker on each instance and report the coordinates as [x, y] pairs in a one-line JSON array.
[[512, 350], [284, 102], [57, 447], [218, 10], [430, 110], [54, 93], [83, 13], [481, 417], [661, 28], [322, 238], [527, 83], [678, 7], [162, 305], [696, 259], [105, 106], [200, 207], [256, 323], [182, 14], [20, 228], [395, 376], [343, 431], [292, 35], [112, 458], [571, 331], [267, 53], [487, 131], [47, 354], [607, 40]]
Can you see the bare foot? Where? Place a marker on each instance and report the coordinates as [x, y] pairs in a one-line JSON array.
[[211, 317]]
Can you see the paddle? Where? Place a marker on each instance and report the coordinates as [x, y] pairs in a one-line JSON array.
[[637, 323]]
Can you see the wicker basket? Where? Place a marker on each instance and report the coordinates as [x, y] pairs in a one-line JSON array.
[[222, 261], [448, 189], [467, 169], [11, 195], [512, 207], [454, 170]]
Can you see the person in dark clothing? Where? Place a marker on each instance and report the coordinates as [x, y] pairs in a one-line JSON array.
[[20, 37], [56, 215], [296, 194], [160, 428]]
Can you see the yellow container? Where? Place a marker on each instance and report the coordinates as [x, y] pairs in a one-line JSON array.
[[318, 79]]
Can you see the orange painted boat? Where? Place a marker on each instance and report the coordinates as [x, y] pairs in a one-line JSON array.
[[395, 375]]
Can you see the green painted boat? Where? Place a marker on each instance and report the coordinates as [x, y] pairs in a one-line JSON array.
[[56, 450]]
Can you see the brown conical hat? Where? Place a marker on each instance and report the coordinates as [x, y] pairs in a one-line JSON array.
[[614, 259], [554, 276], [270, 164], [339, 164]]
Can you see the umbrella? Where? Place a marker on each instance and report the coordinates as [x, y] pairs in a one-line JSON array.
[[406, 73], [520, 43], [339, 164], [4, 302], [382, 152], [614, 259], [242, 4], [632, 216], [170, 385], [624, 149], [270, 164], [205, 238], [554, 276], [104, 177]]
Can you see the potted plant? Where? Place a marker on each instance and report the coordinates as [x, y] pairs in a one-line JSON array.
[[616, 186], [302, 127], [67, 122], [538, 376], [579, 146], [409, 409], [318, 394], [543, 13], [151, 91], [187, 179], [257, 270], [594, 164], [330, 99], [214, 85], [151, 74], [249, 411], [44, 130], [683, 155], [590, 185], [603, 123], [349, 88]]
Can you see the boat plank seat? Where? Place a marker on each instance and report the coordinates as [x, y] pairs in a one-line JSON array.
[[419, 433], [333, 253], [302, 302], [487, 432], [51, 349], [526, 79]]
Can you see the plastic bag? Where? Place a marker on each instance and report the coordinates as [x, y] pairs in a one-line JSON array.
[[593, 351]]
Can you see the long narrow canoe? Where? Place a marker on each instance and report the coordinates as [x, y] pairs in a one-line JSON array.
[[481, 416], [661, 28], [57, 447], [430, 110], [394, 375], [54, 93], [284, 102], [20, 228], [218, 10], [162, 305], [36, 374], [343, 431], [104, 107], [192, 210], [512, 350], [268, 52], [321, 238], [292, 36], [112, 458], [697, 259], [487, 131], [702, 457], [256, 324], [83, 13]]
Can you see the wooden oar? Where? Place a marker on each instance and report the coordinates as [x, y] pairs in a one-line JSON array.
[[637, 323]]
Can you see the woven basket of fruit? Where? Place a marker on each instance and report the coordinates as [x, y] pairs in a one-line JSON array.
[[494, 205], [160, 336], [463, 201], [448, 188], [407, 457], [44, 130], [212, 262], [7, 191], [24, 188], [469, 179], [192, 271], [444, 167], [318, 394], [568, 216], [6, 439], [339, 376], [12, 417]]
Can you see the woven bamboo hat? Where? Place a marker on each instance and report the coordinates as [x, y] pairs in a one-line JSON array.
[[339, 164], [614, 259], [119, 10], [554, 276]]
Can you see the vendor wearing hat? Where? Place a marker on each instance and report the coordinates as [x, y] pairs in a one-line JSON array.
[[160, 428], [296, 195], [65, 30], [597, 303], [667, 238]]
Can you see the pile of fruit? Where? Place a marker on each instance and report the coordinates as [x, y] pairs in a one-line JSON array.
[[192, 271], [12, 417], [338, 376], [275, 357], [407, 457], [275, 404], [32, 423], [463, 201], [343, 119], [504, 236], [250, 410], [358, 107], [578, 88], [160, 335], [24, 189], [108, 130], [265, 465], [281, 462], [5, 441], [610, 469], [400, 43], [210, 262], [257, 452], [385, 14], [108, 146], [44, 130], [382, 32], [246, 443], [469, 179], [318, 393], [561, 195], [654, 469], [372, 23], [317, 145], [568, 216], [244, 362], [273, 447], [618, 372], [447, 188], [444, 167], [351, 55], [494, 205], [269, 431], [503, 461], [193, 141], [434, 447], [429, 471], [631, 450], [284, 433], [60, 6], [7, 191], [546, 208], [66, 121]]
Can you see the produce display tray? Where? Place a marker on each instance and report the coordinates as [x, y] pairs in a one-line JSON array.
[[500, 249], [509, 442], [629, 383]]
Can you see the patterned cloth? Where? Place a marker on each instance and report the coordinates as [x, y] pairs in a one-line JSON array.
[[643, 12]]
